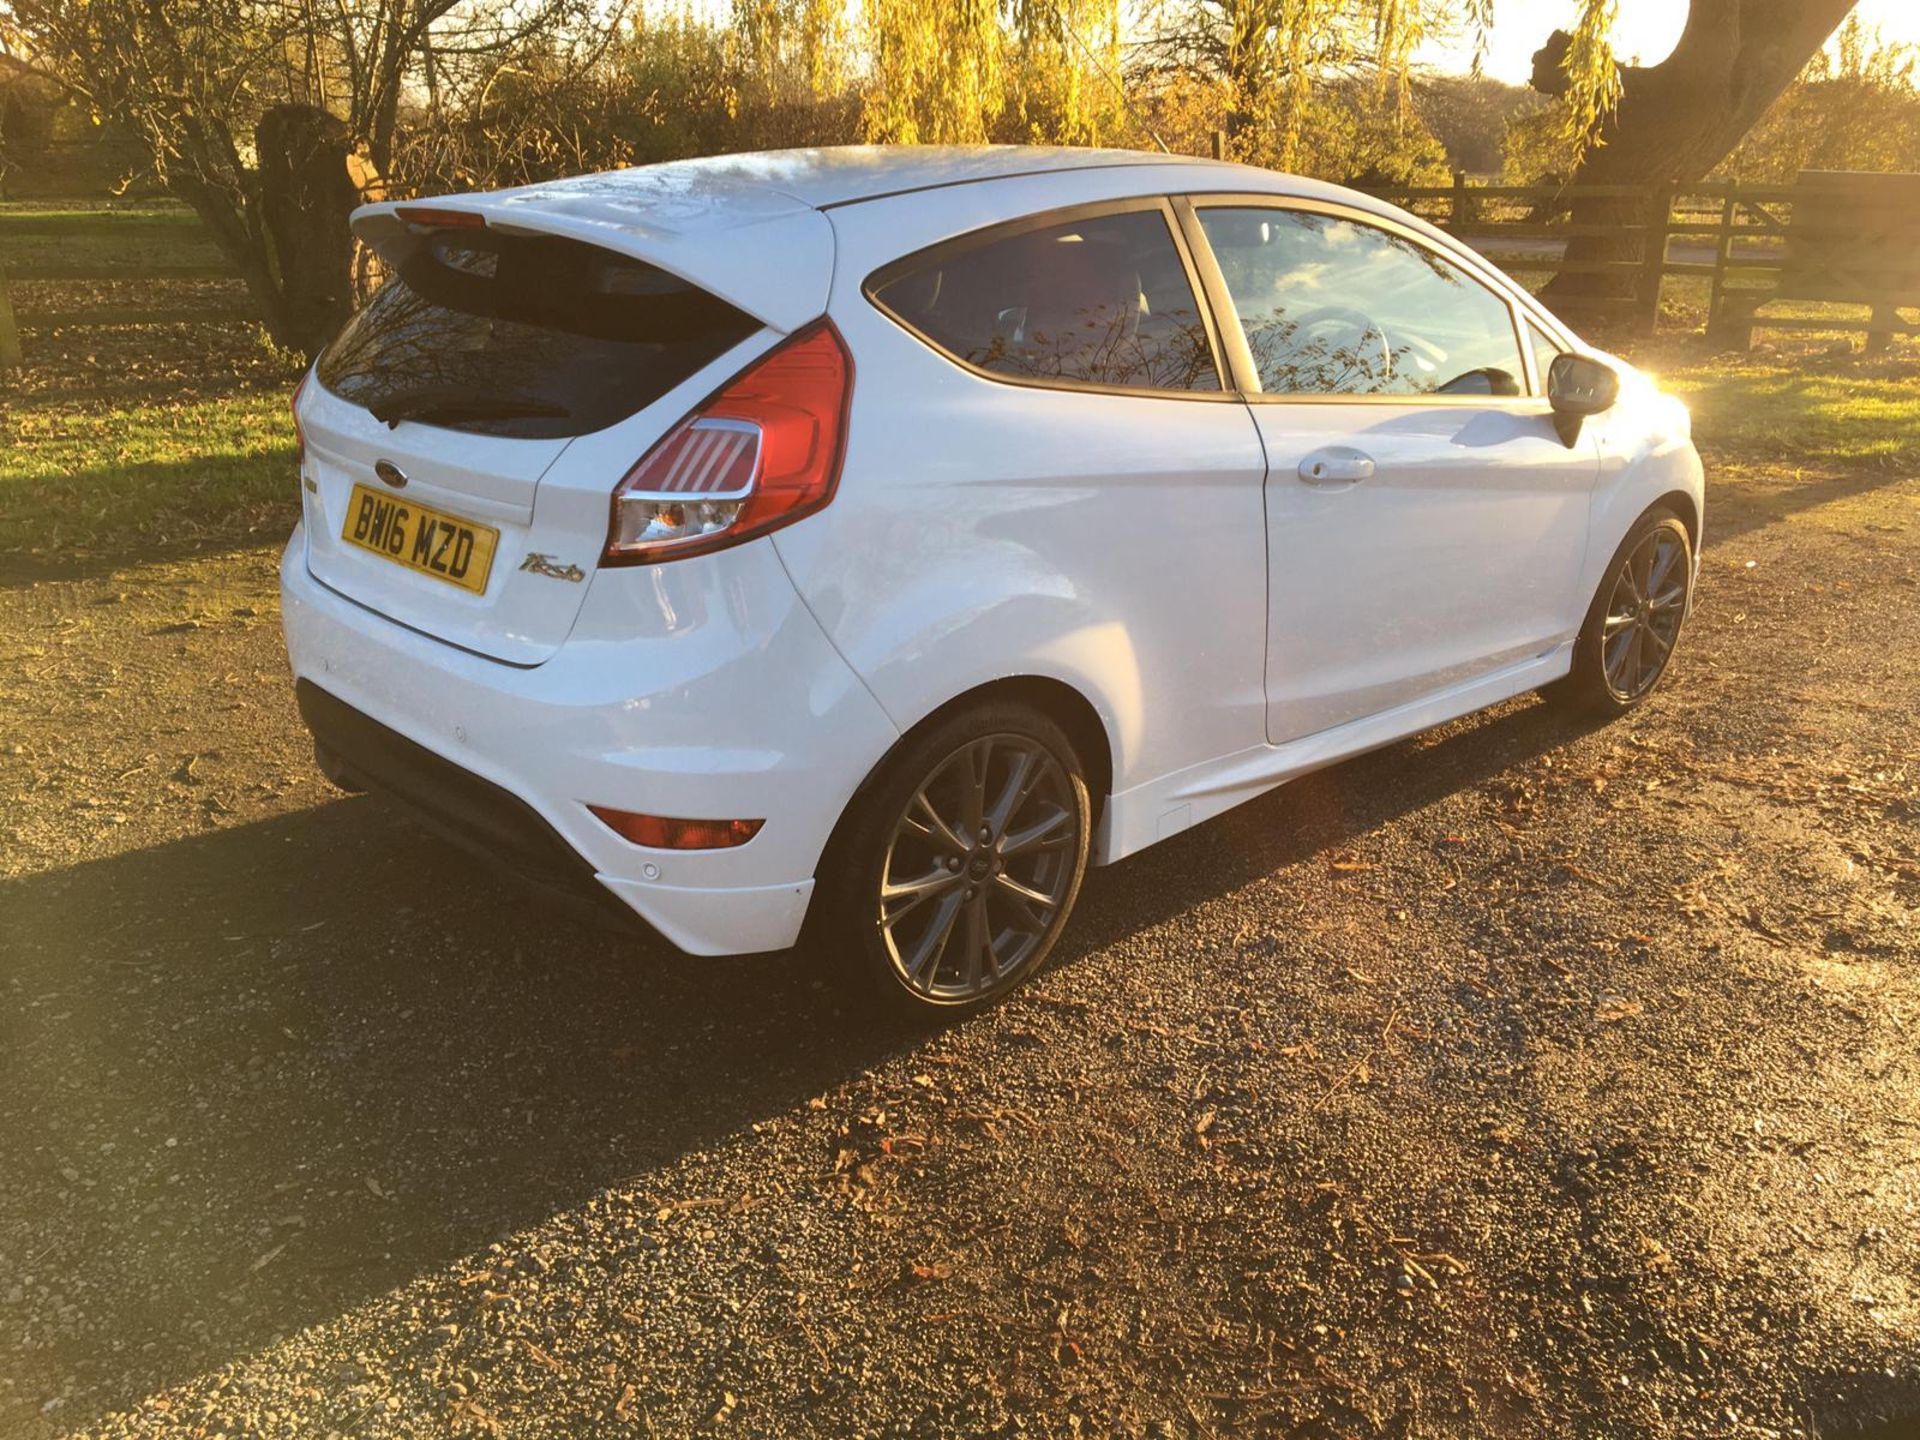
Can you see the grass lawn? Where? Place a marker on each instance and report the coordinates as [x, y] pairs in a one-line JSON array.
[[150, 476], [121, 236], [1808, 409], [120, 444]]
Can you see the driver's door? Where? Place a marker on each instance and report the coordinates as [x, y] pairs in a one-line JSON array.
[[1425, 525]]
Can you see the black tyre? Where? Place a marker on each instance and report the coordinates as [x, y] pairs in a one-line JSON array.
[[1633, 626], [956, 867]]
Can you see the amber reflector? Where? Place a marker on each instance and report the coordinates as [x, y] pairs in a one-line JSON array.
[[661, 832]]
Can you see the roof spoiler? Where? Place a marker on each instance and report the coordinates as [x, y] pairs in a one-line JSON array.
[[759, 250]]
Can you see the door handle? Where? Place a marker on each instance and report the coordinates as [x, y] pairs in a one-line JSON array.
[[1336, 465]]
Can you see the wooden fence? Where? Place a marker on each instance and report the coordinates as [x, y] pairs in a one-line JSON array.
[[109, 226], [1508, 224], [1829, 239]]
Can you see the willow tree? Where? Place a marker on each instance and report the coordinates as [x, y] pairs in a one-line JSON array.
[[967, 71], [1064, 81], [1668, 124], [795, 51], [936, 71], [1285, 69]]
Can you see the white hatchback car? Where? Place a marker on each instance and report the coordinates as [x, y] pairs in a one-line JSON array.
[[876, 538]]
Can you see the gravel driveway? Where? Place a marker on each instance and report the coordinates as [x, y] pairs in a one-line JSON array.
[[1519, 1080]]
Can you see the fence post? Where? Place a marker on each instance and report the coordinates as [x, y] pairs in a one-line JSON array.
[[1460, 205], [1729, 315], [9, 332], [1653, 264], [1879, 339], [1219, 144]]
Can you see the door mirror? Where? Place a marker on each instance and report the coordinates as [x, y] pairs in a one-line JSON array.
[[1579, 386]]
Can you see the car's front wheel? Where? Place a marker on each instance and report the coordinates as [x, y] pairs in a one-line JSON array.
[[1634, 622], [959, 864]]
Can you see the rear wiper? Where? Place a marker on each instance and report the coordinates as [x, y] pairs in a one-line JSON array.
[[431, 405]]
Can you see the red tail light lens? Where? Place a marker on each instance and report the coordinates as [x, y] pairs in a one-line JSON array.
[[662, 832], [761, 454], [432, 217]]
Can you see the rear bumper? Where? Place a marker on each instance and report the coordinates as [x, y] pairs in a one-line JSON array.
[[708, 696], [477, 815]]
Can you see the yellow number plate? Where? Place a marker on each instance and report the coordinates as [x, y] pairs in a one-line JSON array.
[[443, 546]]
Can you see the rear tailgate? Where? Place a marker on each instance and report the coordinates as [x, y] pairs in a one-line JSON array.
[[466, 430]]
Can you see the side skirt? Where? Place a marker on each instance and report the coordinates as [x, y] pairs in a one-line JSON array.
[[1137, 818]]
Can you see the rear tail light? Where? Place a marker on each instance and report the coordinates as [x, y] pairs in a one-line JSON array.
[[429, 217], [661, 832], [762, 453]]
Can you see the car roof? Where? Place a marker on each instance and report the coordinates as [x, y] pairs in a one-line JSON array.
[[826, 176]]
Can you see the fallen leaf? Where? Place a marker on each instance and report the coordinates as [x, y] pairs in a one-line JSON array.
[[467, 1410], [1616, 1007]]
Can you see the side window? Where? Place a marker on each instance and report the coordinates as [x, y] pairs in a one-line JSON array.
[[1335, 307], [1545, 351], [1103, 301]]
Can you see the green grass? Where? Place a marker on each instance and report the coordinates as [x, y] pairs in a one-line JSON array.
[[122, 444], [157, 214], [147, 478], [129, 237], [1808, 410]]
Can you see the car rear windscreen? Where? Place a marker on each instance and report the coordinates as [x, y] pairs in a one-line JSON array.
[[531, 336]]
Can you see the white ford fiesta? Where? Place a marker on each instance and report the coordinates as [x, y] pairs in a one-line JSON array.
[[871, 540]]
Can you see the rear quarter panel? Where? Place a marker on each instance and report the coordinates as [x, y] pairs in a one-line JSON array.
[[984, 530]]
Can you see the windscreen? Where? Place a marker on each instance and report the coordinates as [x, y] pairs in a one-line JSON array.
[[532, 336]]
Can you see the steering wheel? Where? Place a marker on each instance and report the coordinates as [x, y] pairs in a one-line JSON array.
[[1366, 333]]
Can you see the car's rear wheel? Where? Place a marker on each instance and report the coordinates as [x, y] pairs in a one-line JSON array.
[[960, 862], [1633, 625]]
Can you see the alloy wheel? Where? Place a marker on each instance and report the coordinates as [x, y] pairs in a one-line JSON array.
[[980, 862], [1644, 612]]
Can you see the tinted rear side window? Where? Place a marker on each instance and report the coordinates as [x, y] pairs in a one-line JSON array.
[[531, 336], [1102, 301]]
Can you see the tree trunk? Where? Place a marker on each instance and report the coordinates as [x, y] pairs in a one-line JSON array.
[[306, 197], [283, 227], [1680, 118]]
